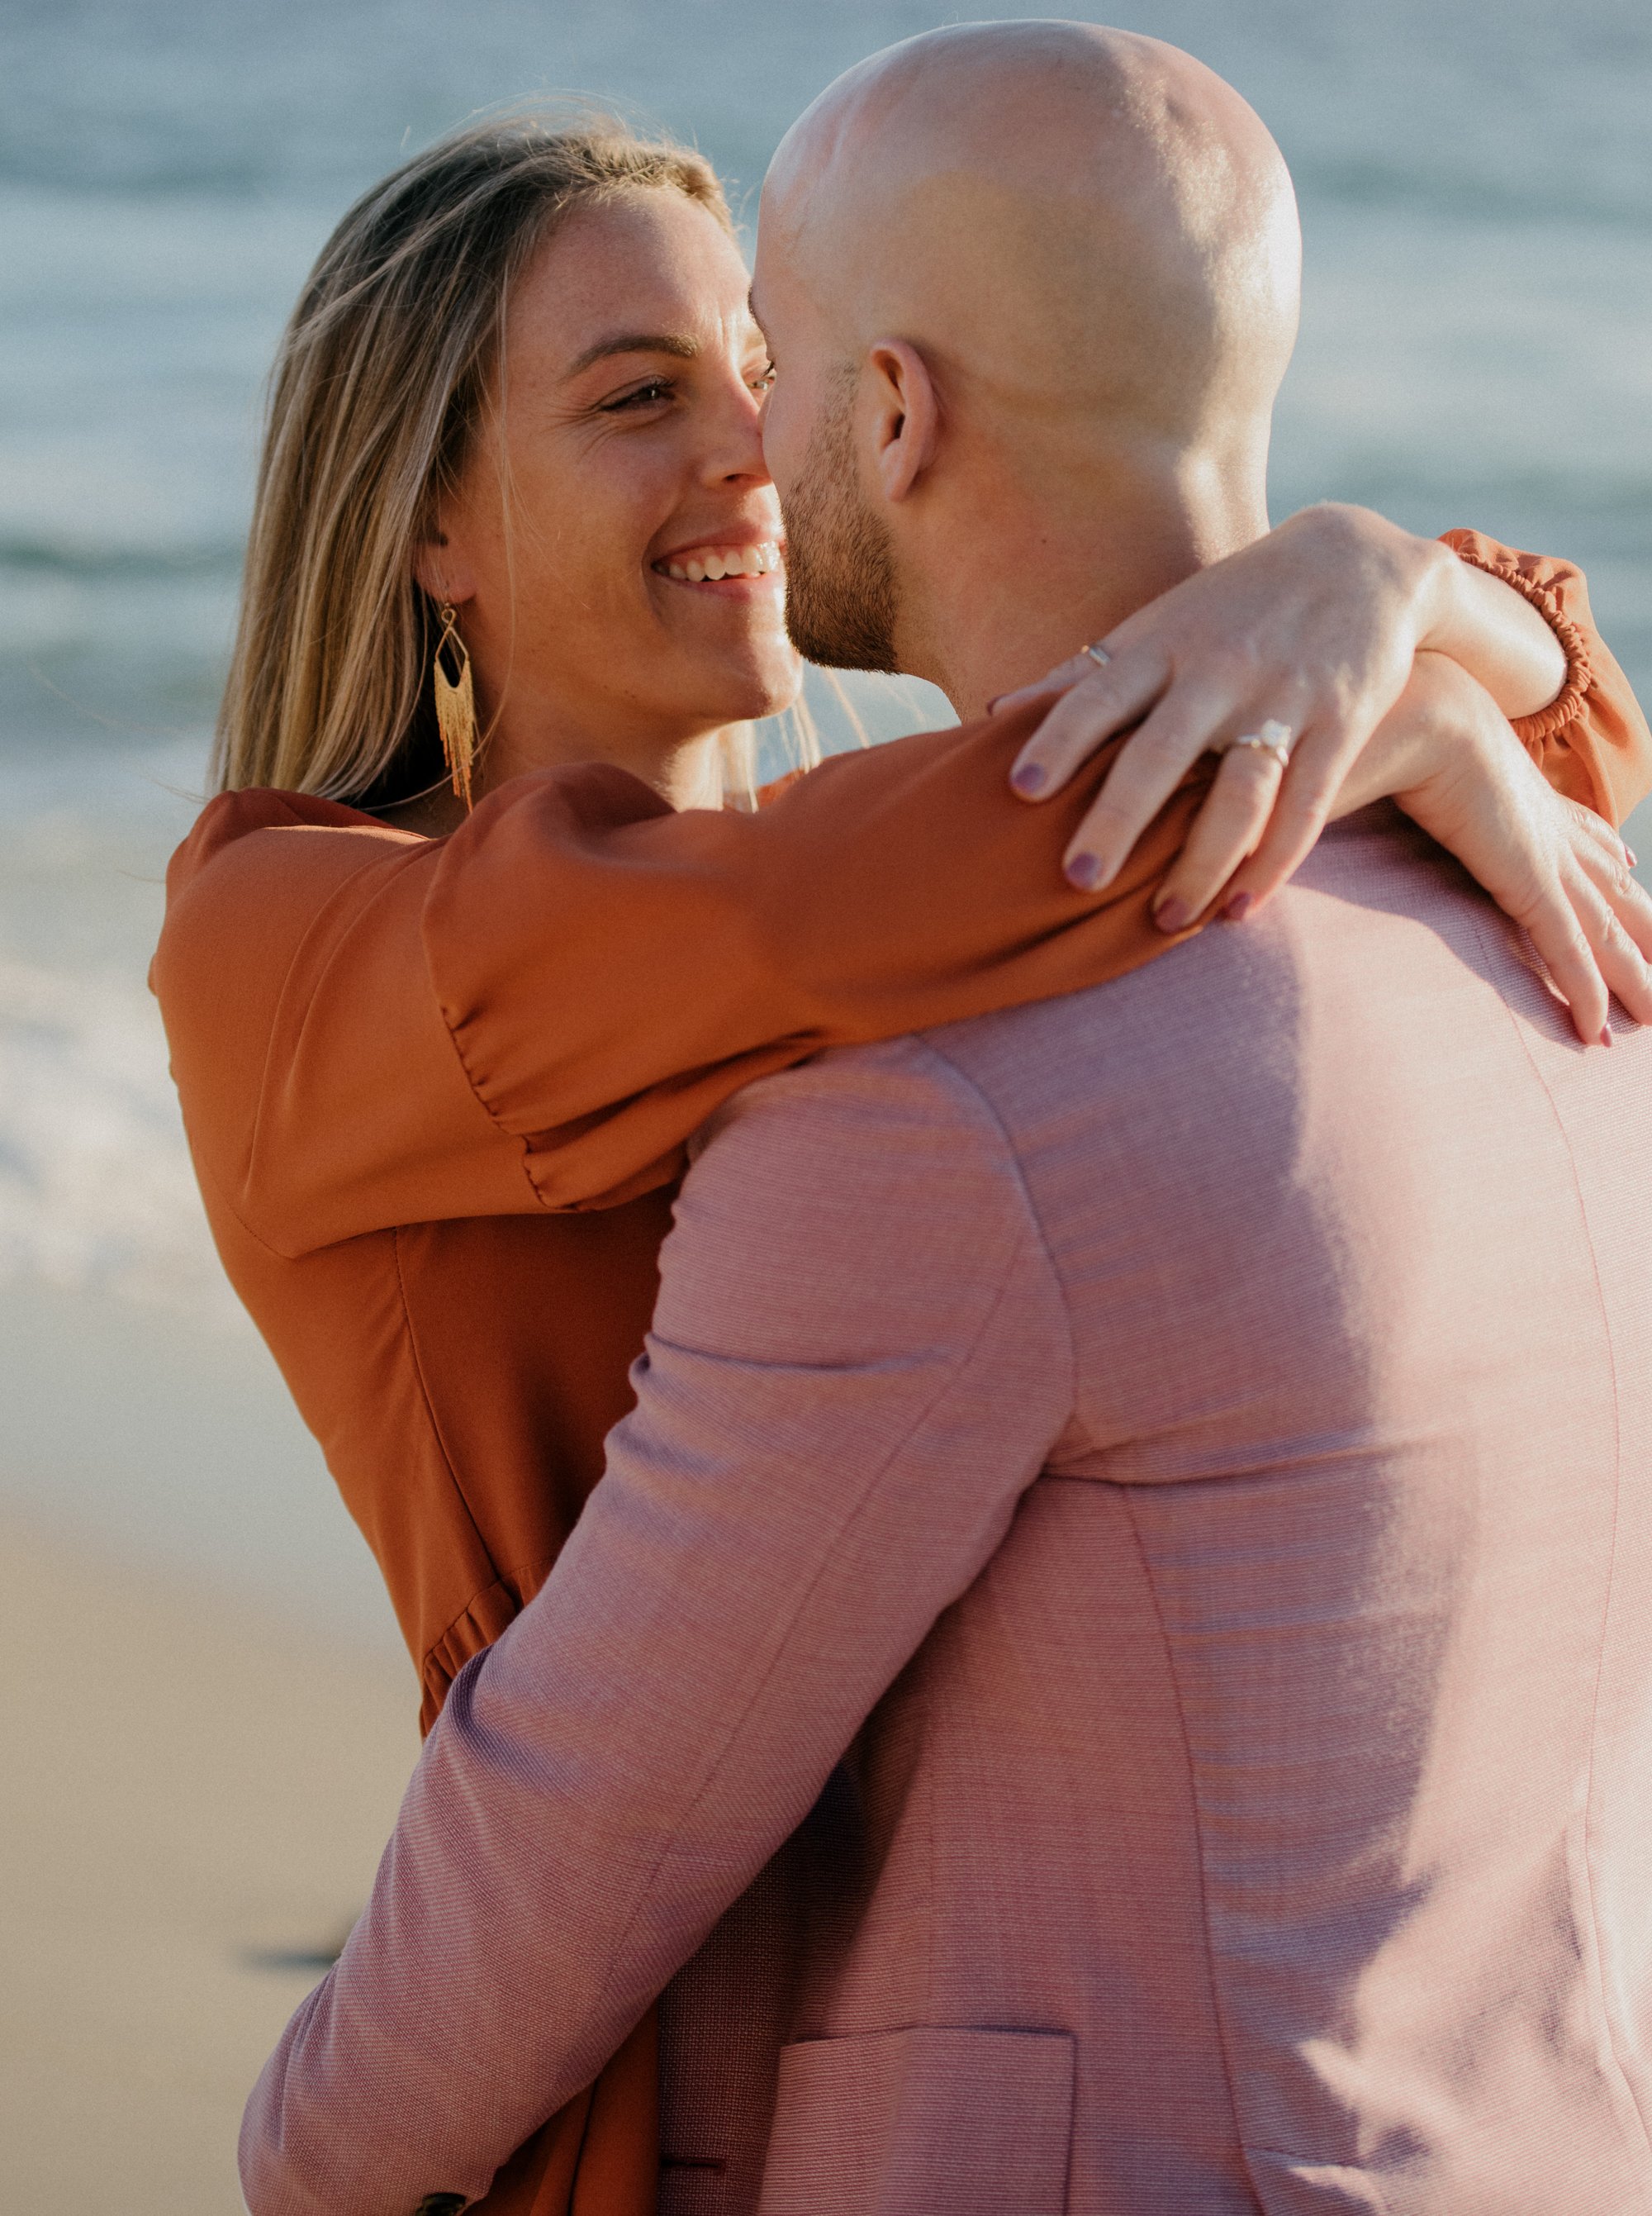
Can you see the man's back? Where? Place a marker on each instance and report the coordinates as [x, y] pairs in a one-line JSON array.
[[1153, 1492], [1293, 1753]]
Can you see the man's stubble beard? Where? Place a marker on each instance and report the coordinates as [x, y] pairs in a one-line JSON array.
[[842, 598]]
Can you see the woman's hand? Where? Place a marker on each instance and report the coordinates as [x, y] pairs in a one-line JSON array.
[[1449, 758], [1316, 626]]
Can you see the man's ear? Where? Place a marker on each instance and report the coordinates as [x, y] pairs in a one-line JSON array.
[[906, 418], [441, 571]]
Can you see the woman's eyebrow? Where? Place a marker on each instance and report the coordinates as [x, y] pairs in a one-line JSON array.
[[637, 342]]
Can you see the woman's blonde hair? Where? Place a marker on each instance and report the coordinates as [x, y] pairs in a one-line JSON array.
[[383, 375]]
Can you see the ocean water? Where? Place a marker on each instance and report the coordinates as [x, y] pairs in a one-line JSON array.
[[1476, 188]]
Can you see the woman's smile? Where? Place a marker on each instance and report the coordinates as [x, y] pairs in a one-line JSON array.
[[739, 568]]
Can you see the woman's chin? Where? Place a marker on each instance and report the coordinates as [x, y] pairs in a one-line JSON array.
[[778, 697], [758, 685]]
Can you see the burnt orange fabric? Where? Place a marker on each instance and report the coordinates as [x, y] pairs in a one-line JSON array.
[[1590, 741], [599, 2155], [438, 1091]]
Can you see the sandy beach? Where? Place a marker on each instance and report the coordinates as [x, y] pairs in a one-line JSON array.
[[195, 1799]]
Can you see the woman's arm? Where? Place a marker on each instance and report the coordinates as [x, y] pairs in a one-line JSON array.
[[1495, 633], [369, 1029], [1316, 626]]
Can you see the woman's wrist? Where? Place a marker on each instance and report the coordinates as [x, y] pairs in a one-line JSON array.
[[1432, 719], [1492, 632]]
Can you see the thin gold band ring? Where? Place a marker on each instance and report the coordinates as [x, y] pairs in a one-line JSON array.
[[1274, 738]]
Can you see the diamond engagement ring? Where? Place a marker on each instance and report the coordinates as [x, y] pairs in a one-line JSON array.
[[1274, 738], [1098, 655]]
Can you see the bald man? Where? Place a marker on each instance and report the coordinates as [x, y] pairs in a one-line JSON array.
[[1147, 1498], [1030, 292]]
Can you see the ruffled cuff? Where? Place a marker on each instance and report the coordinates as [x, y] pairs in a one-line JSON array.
[[1525, 574], [1591, 742]]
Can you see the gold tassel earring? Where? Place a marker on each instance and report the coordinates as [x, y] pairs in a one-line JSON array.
[[456, 707]]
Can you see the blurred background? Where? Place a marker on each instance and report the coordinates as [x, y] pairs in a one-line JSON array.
[[214, 1717]]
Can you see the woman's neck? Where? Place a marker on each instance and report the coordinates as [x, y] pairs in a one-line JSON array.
[[686, 772]]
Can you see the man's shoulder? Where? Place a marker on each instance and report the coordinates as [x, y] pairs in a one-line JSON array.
[[1376, 914], [897, 1092], [873, 1189], [1374, 903]]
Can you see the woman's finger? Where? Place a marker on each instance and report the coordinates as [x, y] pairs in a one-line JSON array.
[[1149, 766], [1098, 703], [1613, 907], [1618, 953], [1312, 781], [1598, 837], [1605, 860], [1620, 962], [1082, 664], [1553, 922], [1233, 817]]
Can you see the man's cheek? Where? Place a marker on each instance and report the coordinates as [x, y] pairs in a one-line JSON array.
[[782, 450]]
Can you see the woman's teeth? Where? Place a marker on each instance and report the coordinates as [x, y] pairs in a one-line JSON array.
[[713, 563]]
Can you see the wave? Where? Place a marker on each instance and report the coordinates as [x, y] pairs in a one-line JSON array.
[[96, 1191], [1482, 195], [118, 562]]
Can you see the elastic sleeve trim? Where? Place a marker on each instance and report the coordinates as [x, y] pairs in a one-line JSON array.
[[1568, 703]]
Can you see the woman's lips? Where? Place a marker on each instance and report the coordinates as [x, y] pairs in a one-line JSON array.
[[712, 564]]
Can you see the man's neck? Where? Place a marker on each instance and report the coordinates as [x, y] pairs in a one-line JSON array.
[[1034, 588]]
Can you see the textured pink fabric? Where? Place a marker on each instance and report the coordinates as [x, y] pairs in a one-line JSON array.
[[922, 2119], [1154, 1491]]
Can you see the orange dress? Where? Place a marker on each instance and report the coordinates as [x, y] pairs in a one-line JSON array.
[[438, 1093]]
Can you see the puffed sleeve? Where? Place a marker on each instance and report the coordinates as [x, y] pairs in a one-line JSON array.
[[368, 1029], [1592, 741]]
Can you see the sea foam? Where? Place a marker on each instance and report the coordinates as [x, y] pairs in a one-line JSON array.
[[96, 1190]]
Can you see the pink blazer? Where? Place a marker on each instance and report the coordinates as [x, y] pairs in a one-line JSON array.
[[1116, 1636]]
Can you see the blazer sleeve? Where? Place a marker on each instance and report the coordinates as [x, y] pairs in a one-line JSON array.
[[860, 1360]]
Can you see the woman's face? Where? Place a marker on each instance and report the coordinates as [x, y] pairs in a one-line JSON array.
[[614, 545]]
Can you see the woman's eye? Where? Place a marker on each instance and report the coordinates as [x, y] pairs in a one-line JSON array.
[[763, 381], [657, 388]]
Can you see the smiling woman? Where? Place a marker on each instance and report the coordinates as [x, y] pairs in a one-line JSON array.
[[649, 435], [523, 381]]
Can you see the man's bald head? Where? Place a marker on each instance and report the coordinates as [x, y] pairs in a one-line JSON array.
[[1085, 242], [1072, 218]]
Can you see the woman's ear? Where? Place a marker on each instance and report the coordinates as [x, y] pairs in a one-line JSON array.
[[441, 570], [907, 422]]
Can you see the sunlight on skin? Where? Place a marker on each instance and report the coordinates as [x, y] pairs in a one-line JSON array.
[[623, 451]]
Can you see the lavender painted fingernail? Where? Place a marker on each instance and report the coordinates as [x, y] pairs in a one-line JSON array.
[[1029, 777], [1633, 859], [1606, 1034], [1082, 871], [1172, 915], [1239, 907]]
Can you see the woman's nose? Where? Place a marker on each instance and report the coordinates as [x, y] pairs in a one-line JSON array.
[[738, 456]]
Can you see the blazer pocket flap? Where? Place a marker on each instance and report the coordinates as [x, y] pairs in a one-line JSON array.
[[928, 2121]]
